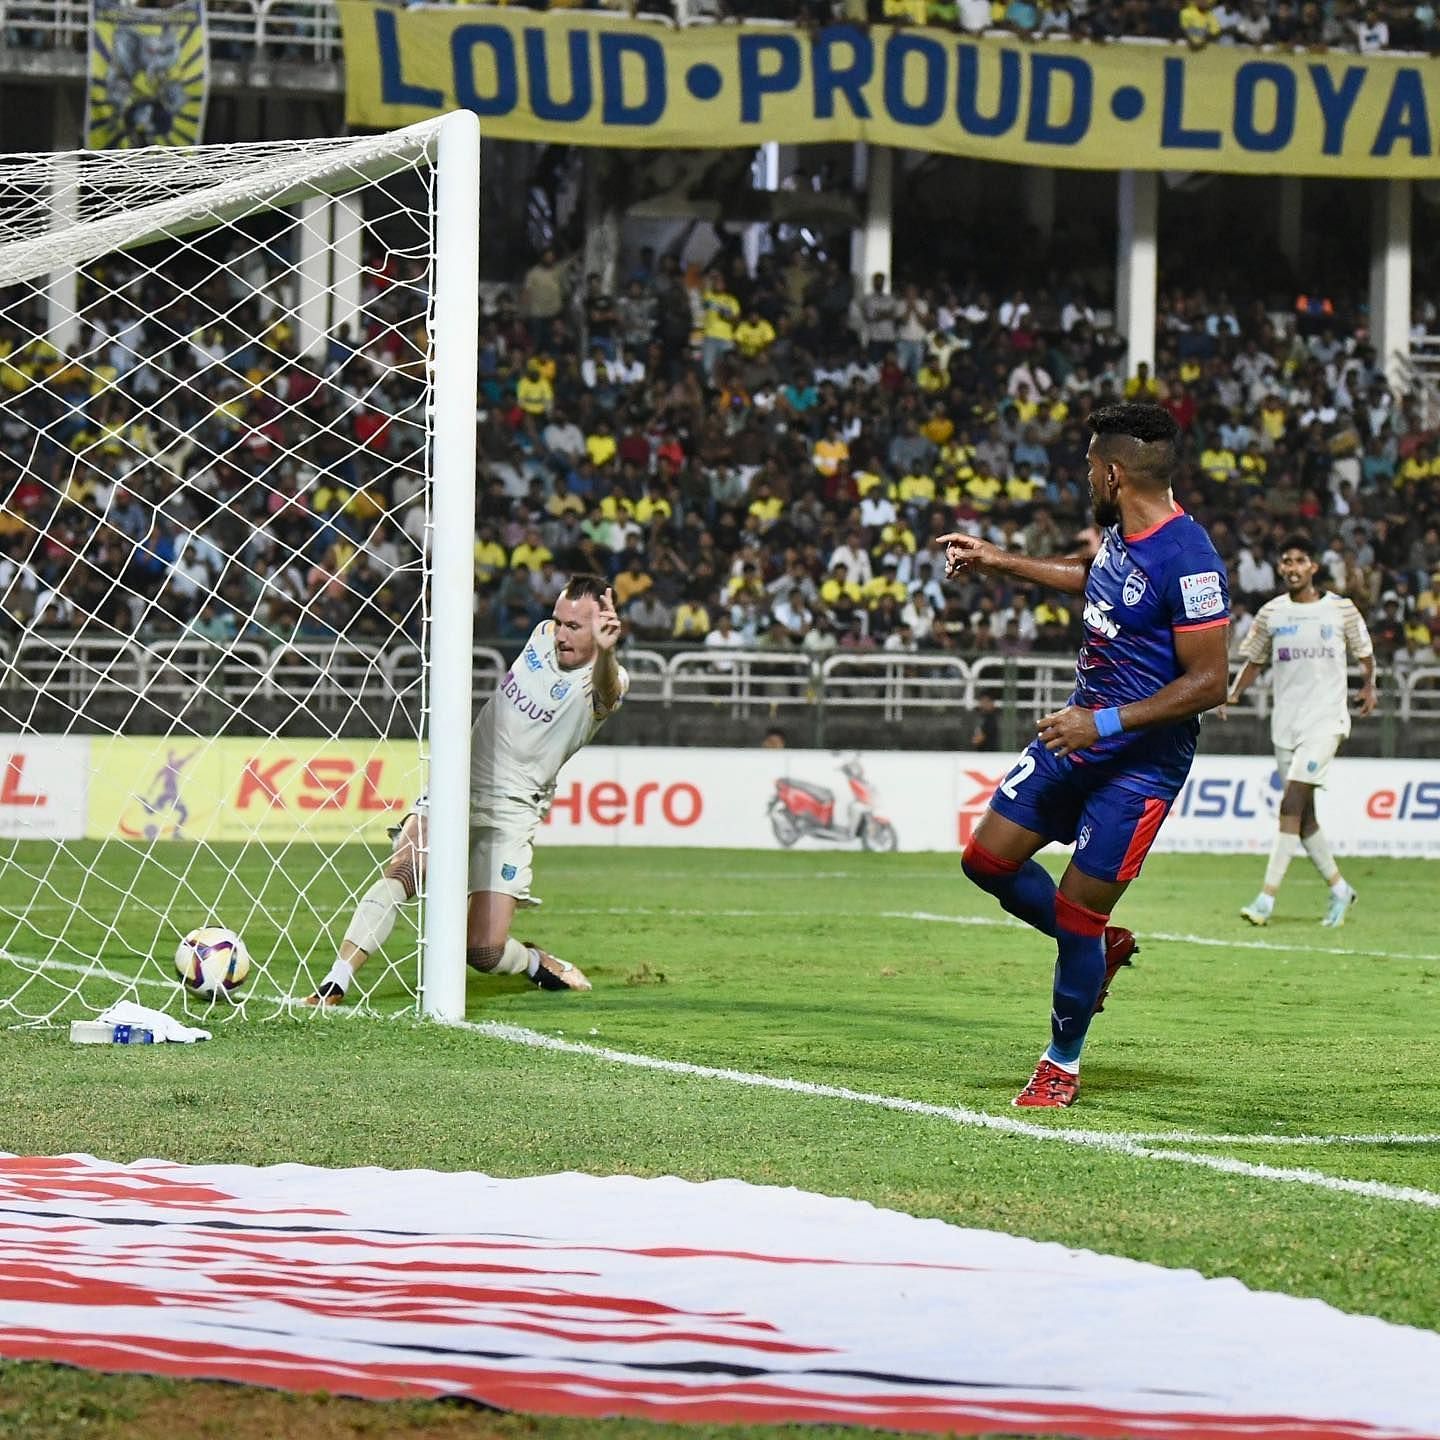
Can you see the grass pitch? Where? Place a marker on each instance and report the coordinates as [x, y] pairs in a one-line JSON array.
[[841, 970]]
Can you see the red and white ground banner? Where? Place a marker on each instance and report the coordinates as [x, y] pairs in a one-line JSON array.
[[723, 1302]]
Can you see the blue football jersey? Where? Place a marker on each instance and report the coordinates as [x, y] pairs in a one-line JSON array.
[[1141, 590]]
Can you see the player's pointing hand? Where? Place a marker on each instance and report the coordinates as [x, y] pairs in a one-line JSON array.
[[607, 622], [964, 551], [1068, 730]]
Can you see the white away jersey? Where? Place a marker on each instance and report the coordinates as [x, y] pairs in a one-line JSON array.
[[538, 717], [1308, 645]]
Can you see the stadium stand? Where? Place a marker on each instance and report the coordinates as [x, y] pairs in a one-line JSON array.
[[765, 448], [308, 29]]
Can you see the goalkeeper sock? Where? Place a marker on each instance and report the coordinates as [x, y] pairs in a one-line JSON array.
[[515, 959], [340, 975], [1025, 890], [1079, 974], [1282, 852], [374, 917], [1317, 847]]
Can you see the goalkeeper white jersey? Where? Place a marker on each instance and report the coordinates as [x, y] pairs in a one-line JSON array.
[[1307, 647], [538, 717]]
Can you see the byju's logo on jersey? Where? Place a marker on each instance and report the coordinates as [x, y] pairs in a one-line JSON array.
[[1097, 617], [510, 689], [1201, 594], [1134, 590]]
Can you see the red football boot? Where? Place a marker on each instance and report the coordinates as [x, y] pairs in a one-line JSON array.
[[1050, 1088], [1120, 945]]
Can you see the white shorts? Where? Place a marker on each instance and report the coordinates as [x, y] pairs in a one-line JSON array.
[[1309, 761], [502, 849]]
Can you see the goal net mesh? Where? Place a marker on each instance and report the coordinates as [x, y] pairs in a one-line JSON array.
[[216, 426]]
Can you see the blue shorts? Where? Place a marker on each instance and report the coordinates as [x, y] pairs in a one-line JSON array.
[[1112, 828]]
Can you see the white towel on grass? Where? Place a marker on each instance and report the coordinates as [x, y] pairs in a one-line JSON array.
[[127, 1012]]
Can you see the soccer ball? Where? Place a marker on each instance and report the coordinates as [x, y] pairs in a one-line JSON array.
[[212, 961]]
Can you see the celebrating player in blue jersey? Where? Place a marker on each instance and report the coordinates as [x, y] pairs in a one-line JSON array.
[[1105, 770]]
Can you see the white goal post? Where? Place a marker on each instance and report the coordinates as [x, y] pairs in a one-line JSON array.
[[237, 461]]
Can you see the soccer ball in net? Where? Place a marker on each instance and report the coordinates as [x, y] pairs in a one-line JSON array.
[[212, 961]]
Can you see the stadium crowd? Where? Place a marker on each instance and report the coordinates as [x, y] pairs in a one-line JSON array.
[[1360, 25], [295, 27], [753, 459]]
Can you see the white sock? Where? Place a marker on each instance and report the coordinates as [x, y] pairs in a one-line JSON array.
[[1282, 852], [1070, 1067], [514, 960], [533, 964], [375, 915], [341, 973], [1317, 847]]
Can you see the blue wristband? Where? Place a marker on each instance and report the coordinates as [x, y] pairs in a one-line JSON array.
[[1107, 722]]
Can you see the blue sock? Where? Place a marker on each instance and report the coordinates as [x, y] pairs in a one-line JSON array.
[[1026, 891], [1079, 974]]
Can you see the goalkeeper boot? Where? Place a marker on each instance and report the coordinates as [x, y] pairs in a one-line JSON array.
[[1339, 907], [553, 973], [328, 994], [1120, 945], [1050, 1088], [1259, 910]]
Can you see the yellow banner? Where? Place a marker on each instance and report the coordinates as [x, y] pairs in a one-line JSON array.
[[149, 70], [563, 77], [182, 788]]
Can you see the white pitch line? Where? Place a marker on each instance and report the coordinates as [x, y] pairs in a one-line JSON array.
[[1117, 1143], [1195, 1137], [799, 876], [1104, 1138], [100, 972], [927, 917], [33, 965]]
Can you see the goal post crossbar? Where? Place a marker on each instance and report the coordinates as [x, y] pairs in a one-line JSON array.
[[278, 176], [258, 419], [455, 361]]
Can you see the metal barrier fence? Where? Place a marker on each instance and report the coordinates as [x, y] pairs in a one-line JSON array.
[[336, 674], [302, 30]]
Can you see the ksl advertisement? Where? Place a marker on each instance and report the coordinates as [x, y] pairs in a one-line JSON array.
[[165, 790], [578, 79]]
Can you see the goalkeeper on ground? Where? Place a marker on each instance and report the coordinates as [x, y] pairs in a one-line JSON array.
[[551, 701]]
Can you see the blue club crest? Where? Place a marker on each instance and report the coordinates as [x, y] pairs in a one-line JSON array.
[[1134, 589], [507, 872], [559, 690]]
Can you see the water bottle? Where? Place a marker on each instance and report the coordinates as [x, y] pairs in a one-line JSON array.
[[132, 1035]]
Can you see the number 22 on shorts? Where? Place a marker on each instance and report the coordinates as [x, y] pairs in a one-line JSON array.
[[1024, 769]]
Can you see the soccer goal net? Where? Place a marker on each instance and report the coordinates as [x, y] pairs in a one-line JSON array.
[[237, 438]]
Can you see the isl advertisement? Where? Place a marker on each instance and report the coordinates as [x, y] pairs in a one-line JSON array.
[[150, 790], [188, 788]]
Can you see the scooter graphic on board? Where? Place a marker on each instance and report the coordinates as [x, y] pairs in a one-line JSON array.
[[798, 810]]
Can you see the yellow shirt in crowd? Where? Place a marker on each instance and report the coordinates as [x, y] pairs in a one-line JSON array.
[[532, 557]]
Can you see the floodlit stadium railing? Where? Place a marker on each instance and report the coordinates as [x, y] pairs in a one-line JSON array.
[[337, 673]]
